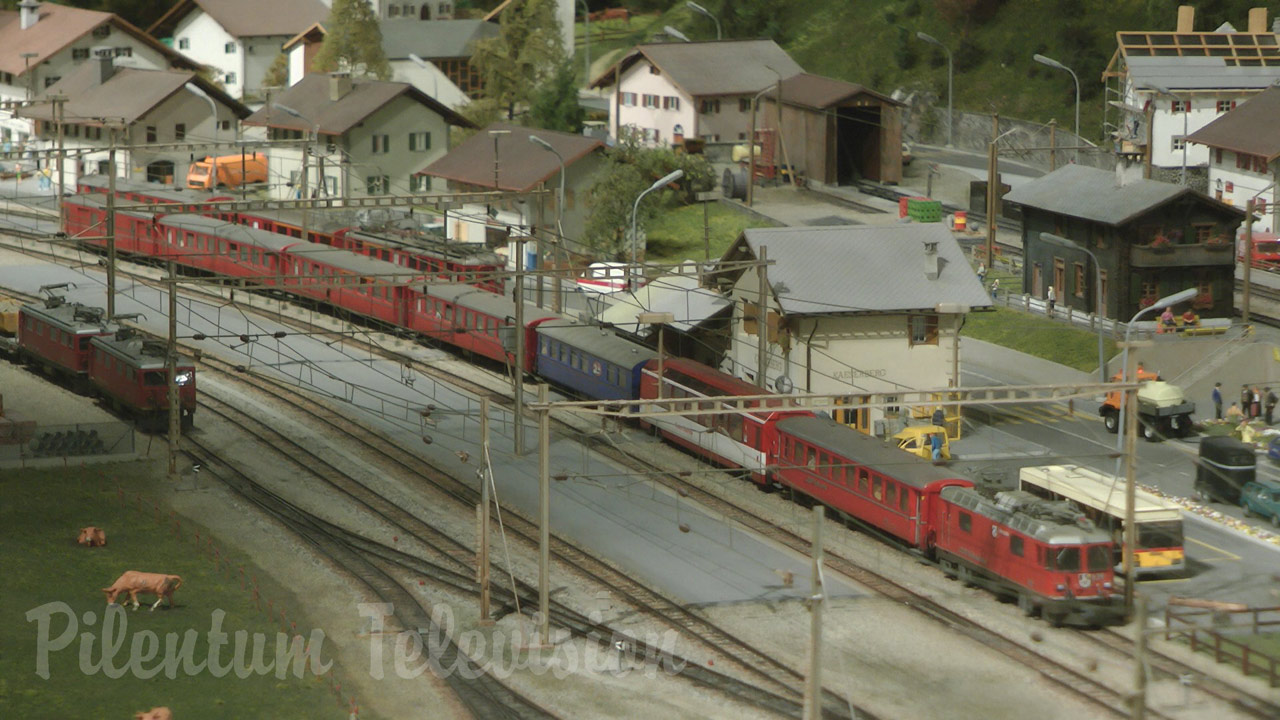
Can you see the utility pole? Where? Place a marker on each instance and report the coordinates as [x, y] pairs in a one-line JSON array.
[[813, 683], [1130, 446], [544, 516], [1146, 161], [1139, 706], [762, 320], [751, 153], [486, 473], [302, 179], [992, 182], [171, 363], [518, 375], [1053, 145], [539, 233], [111, 225], [1248, 258], [59, 108]]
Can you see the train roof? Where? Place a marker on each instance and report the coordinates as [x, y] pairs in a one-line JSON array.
[[1055, 523], [164, 193], [726, 384], [98, 202], [351, 262], [863, 449], [599, 342], [488, 303], [144, 353], [73, 318], [456, 252], [242, 234]]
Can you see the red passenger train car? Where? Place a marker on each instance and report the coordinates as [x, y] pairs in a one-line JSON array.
[[131, 374], [476, 321], [56, 337]]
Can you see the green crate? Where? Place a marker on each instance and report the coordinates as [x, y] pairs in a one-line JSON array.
[[924, 210]]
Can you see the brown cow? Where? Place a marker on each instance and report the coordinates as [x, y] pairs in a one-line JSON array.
[[134, 582], [92, 536], [155, 713]]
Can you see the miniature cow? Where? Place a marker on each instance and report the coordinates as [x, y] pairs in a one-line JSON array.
[[134, 582], [155, 713], [92, 536]]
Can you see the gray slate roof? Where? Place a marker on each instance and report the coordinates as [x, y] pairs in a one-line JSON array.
[[1092, 194], [1251, 128], [720, 67], [433, 39], [679, 295], [864, 268], [310, 96], [522, 164], [250, 18], [1199, 73], [128, 94]]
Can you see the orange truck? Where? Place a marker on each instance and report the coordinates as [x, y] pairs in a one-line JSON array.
[[1163, 409], [228, 170]]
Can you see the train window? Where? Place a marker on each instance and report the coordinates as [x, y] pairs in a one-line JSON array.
[[563, 353], [29, 323], [877, 487], [1066, 560], [153, 379], [863, 474], [890, 493], [903, 499], [810, 457], [735, 427], [1016, 545], [1099, 557]]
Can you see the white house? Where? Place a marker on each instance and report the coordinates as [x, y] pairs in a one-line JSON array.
[[1243, 146], [372, 135], [1186, 80], [42, 43], [238, 38], [852, 310], [151, 106], [671, 91]]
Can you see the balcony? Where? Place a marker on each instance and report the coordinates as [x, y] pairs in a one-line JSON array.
[[1188, 255]]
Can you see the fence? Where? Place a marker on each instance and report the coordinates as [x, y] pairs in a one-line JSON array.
[[1182, 620], [80, 440]]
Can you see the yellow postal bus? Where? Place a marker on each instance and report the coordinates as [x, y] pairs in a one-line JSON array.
[[1100, 496]]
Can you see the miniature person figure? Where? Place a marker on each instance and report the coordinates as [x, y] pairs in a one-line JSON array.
[[1190, 319], [939, 418], [1234, 413], [1167, 323], [1217, 401], [995, 289], [1255, 410], [1246, 432], [1269, 404], [935, 443], [982, 272], [1052, 299], [1246, 399]]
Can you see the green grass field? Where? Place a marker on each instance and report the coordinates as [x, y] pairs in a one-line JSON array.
[[678, 234], [41, 512], [1038, 336]]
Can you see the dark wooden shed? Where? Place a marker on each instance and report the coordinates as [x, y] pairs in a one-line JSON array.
[[835, 132]]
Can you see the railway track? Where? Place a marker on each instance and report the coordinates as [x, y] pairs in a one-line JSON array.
[[772, 685]]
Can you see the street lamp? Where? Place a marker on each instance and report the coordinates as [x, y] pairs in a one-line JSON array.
[[703, 11], [1059, 66], [1099, 307], [556, 288], [213, 108], [663, 182], [1126, 439], [950, 75], [306, 235], [1250, 207], [1186, 111], [672, 32]]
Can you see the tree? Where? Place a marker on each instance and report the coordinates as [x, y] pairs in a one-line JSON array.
[[526, 52], [352, 42], [555, 105], [278, 73], [629, 169]]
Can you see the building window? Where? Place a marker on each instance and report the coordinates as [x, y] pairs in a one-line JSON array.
[[1217, 156], [653, 70], [229, 48], [670, 103], [104, 53], [124, 51], [229, 78], [1179, 142], [184, 43], [744, 105], [923, 329], [381, 144], [377, 184], [92, 133], [419, 183], [393, 10], [1079, 286], [419, 141], [709, 107], [1150, 292], [151, 133], [651, 101], [79, 53], [49, 81], [180, 132], [1226, 106], [102, 31], [711, 137], [224, 124], [628, 99], [1180, 106]]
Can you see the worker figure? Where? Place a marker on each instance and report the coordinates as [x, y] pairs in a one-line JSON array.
[[1190, 319], [935, 444]]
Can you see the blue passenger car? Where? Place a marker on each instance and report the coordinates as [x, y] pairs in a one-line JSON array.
[[591, 360]]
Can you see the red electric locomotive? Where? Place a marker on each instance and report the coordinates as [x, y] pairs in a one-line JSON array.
[[56, 338], [84, 217], [131, 375], [131, 191]]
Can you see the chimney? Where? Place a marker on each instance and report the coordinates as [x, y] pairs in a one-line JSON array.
[[30, 13], [1257, 20], [106, 68], [1186, 18], [932, 262], [339, 85]]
